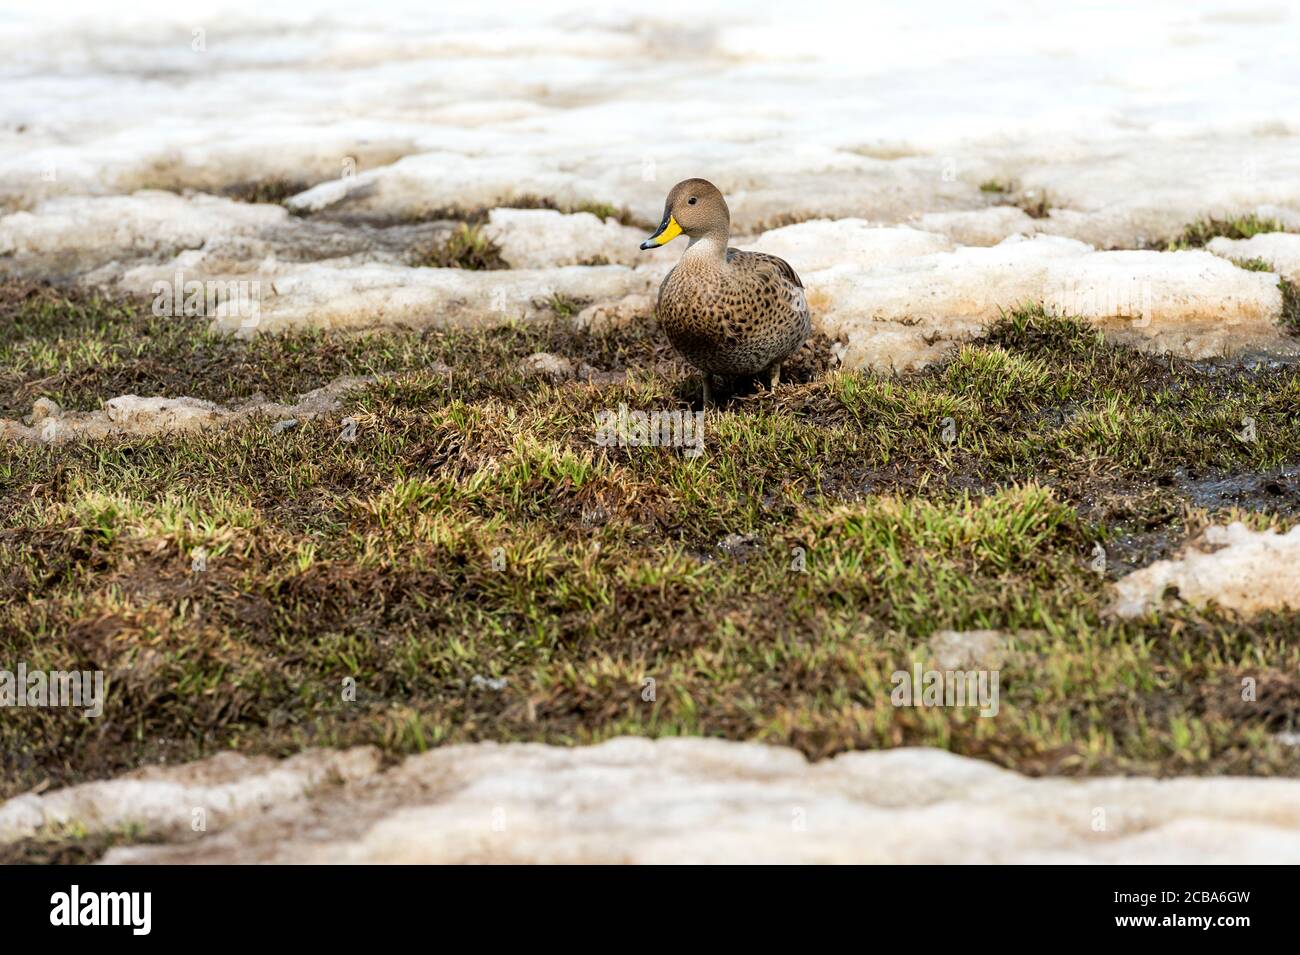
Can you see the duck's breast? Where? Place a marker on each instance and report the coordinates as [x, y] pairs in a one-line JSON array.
[[737, 320]]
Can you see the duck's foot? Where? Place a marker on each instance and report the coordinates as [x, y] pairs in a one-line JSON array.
[[773, 375]]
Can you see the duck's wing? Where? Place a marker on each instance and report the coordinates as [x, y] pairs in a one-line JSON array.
[[761, 260], [761, 268]]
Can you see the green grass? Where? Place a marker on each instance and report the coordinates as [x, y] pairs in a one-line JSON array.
[[604, 210], [474, 528], [1253, 265], [465, 247], [1198, 234], [80, 349]]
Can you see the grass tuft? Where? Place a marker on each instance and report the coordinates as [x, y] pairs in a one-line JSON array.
[[465, 247], [272, 191], [1198, 234]]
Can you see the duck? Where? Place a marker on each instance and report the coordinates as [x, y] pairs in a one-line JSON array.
[[727, 312]]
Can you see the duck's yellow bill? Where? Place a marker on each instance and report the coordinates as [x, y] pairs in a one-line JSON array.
[[668, 231]]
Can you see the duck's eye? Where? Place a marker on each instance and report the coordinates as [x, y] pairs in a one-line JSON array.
[[690, 201]]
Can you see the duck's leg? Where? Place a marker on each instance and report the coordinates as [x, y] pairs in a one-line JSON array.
[[773, 374], [708, 392]]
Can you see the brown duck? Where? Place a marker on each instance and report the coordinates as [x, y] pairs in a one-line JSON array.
[[728, 312]]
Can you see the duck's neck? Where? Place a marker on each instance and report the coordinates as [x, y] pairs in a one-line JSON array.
[[707, 250]]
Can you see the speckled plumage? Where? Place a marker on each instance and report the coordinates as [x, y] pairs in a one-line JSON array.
[[728, 312], [736, 320]]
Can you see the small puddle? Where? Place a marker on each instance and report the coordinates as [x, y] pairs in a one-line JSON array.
[[1275, 492]]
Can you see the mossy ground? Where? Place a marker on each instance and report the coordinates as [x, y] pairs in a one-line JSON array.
[[473, 531]]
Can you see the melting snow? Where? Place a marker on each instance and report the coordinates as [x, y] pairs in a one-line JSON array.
[[391, 118], [669, 801], [1233, 566], [131, 414]]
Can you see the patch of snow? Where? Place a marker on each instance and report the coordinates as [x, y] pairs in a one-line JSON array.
[[905, 315], [133, 415], [823, 244], [542, 238], [671, 800], [163, 800], [1233, 566], [979, 226], [391, 112], [411, 118], [1281, 250], [143, 224]]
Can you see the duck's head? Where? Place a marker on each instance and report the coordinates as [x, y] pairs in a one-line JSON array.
[[694, 207]]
